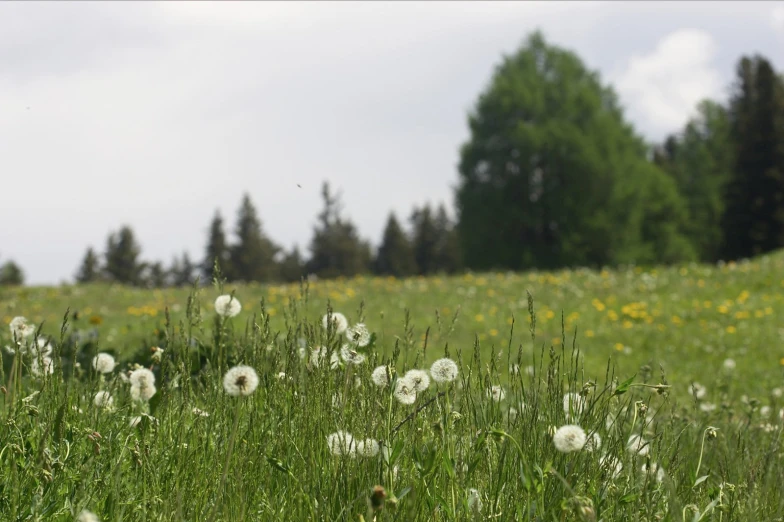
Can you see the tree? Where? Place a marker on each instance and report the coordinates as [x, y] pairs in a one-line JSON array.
[[122, 257], [336, 249], [155, 275], [552, 174], [252, 257], [292, 266], [700, 161], [11, 274], [395, 255], [181, 271], [424, 240], [447, 249], [216, 249], [753, 220], [90, 269]]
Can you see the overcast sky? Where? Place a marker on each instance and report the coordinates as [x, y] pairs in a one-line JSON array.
[[157, 114]]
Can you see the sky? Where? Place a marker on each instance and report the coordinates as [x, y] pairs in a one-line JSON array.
[[157, 115]]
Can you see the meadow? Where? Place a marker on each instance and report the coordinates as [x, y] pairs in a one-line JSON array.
[[628, 394]]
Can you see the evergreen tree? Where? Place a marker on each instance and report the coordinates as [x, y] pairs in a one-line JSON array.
[[217, 248], [395, 255], [122, 258], [425, 240], [90, 270], [447, 250], [553, 176], [292, 266], [252, 257], [11, 274], [181, 271], [336, 249], [753, 220], [155, 275]]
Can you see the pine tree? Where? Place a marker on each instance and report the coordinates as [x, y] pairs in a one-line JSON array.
[[447, 250], [155, 275], [292, 267], [11, 274], [216, 249], [252, 257], [122, 257], [181, 271], [90, 270], [425, 240], [395, 255]]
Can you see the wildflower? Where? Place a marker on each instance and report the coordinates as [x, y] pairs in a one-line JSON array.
[[43, 347], [20, 329], [44, 367], [444, 370], [611, 464], [157, 354], [637, 444], [380, 376], [697, 390], [341, 443], [199, 413], [496, 393], [573, 405], [103, 399], [593, 443], [240, 380], [419, 378], [569, 438], [729, 364], [405, 391], [765, 411], [316, 354], [367, 448], [227, 306], [141, 377], [339, 322], [707, 407], [134, 421], [474, 501], [350, 355], [654, 469], [334, 361], [103, 363], [87, 516], [143, 392], [358, 334]]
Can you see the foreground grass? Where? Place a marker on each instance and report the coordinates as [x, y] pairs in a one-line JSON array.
[[478, 448]]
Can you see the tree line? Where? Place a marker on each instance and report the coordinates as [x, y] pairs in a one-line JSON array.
[[429, 246]]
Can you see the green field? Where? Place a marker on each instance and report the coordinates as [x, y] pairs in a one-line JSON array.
[[612, 335]]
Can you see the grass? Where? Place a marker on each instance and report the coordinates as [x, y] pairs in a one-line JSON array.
[[629, 343]]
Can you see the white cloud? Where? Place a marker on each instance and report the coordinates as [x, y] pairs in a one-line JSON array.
[[662, 88]]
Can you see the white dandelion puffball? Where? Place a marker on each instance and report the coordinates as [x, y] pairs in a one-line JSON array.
[[368, 448], [87, 516], [496, 393], [134, 421], [227, 306], [199, 413], [334, 361], [358, 334], [697, 390], [341, 443], [240, 380], [316, 355], [573, 405], [729, 364], [569, 438], [405, 391], [20, 328], [654, 469], [143, 393], [380, 376], [339, 322], [593, 443], [612, 465], [103, 399], [474, 500], [44, 367], [142, 377], [350, 355], [419, 378], [43, 347], [444, 370], [103, 363], [637, 444]]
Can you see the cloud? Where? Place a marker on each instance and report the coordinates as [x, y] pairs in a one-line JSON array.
[[777, 18], [662, 88]]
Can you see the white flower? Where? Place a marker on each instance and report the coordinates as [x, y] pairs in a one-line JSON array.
[[341, 443], [697, 390], [334, 361], [367, 448], [405, 391], [496, 393], [157, 354], [87, 516], [358, 334], [637, 444], [611, 464], [348, 354], [765, 411], [44, 348], [420, 379], [199, 413], [444, 370], [316, 354], [593, 443], [339, 322], [103, 399], [573, 405], [707, 407], [729, 364], [227, 306], [134, 421], [20, 329], [143, 393], [380, 376], [142, 377], [240, 380], [569, 438], [103, 363], [44, 367], [777, 392], [474, 501], [654, 469]]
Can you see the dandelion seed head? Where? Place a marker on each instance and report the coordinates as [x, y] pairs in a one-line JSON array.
[[103, 399], [341, 443], [697, 390], [227, 306], [103, 363], [593, 443], [334, 361], [199, 413], [729, 364], [20, 328], [419, 378], [474, 500], [134, 421], [637, 444], [654, 469], [569, 438], [339, 322], [444, 370], [43, 347], [358, 334], [143, 393], [380, 376], [497, 393], [43, 367], [350, 355], [142, 377], [573, 405], [87, 516], [612, 465], [405, 391], [240, 380], [368, 448]]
